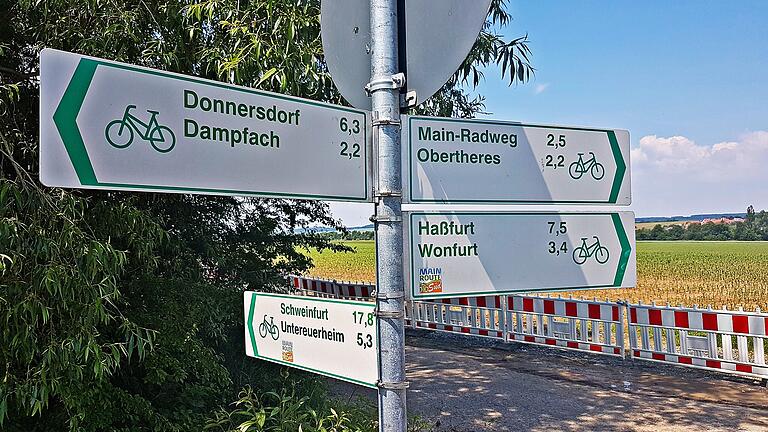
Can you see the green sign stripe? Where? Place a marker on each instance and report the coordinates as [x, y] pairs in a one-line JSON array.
[[319, 372], [318, 299], [219, 84], [65, 119], [621, 167], [503, 201], [72, 101], [509, 292], [626, 250], [250, 324], [225, 191], [212, 83], [256, 351], [505, 123]]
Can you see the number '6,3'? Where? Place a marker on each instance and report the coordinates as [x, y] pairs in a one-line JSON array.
[[345, 127]]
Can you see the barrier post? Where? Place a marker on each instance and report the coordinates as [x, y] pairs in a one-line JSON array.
[[504, 318]]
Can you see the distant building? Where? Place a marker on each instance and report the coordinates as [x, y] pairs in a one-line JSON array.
[[722, 220]]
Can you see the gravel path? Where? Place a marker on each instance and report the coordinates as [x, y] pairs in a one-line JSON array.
[[464, 384]]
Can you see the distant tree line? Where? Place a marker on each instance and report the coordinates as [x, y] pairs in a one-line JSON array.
[[349, 235], [753, 228]]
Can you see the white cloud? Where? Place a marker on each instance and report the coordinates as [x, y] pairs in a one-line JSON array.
[[540, 88], [675, 175], [744, 159]]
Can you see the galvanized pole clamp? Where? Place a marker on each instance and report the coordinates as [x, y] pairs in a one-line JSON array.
[[381, 194], [379, 120], [390, 295], [389, 314], [384, 88], [385, 219], [402, 385], [393, 82]]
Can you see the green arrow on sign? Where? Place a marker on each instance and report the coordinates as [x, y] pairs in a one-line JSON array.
[[527, 169], [621, 167], [65, 119], [71, 153], [626, 249], [250, 325]]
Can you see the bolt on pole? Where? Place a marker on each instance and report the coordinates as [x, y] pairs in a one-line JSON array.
[[384, 88]]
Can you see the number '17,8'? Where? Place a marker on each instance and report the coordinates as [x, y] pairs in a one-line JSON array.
[[361, 318]]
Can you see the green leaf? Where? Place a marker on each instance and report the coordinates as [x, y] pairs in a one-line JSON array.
[[266, 76], [3, 409]]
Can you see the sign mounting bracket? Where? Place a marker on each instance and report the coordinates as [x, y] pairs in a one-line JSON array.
[[395, 81]]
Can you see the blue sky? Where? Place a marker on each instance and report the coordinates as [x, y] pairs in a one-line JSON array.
[[688, 79]]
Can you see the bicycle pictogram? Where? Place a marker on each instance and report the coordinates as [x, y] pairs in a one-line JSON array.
[[120, 133], [585, 251], [580, 167], [269, 327]]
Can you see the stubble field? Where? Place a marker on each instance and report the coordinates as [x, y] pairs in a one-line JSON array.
[[732, 274]]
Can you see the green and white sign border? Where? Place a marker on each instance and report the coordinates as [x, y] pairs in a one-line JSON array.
[[65, 119], [251, 334], [618, 180], [626, 252]]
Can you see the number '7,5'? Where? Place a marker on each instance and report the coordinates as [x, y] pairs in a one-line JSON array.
[[562, 228]]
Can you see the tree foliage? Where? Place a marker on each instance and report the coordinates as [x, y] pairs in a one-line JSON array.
[[123, 311]]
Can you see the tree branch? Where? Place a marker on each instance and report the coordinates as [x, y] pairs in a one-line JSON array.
[[17, 74]]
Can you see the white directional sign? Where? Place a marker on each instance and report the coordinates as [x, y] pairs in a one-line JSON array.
[[336, 338], [455, 254], [478, 161], [109, 125]]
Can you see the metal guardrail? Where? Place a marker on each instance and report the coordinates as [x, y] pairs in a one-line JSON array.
[[720, 340]]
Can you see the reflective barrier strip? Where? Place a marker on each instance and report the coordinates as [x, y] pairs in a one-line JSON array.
[[725, 341], [583, 325], [701, 338], [333, 288], [480, 316]]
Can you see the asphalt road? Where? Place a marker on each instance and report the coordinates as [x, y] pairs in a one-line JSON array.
[[464, 384]]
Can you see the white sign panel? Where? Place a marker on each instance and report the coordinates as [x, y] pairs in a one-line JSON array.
[[336, 338], [479, 161], [465, 254], [109, 125]]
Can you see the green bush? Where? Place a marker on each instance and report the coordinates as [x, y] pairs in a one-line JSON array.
[[296, 406], [122, 311]]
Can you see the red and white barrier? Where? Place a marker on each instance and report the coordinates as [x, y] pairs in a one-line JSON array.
[[480, 316], [333, 288], [702, 338], [567, 323], [722, 340]]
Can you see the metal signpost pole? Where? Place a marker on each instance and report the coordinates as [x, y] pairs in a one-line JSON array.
[[385, 93]]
